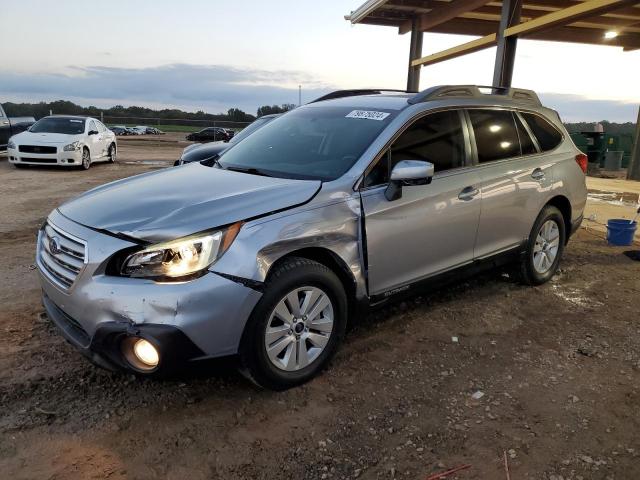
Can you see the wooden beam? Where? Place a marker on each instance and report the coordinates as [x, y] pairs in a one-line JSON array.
[[458, 51], [443, 14], [566, 16]]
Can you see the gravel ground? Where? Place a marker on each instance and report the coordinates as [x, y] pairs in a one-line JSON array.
[[457, 376]]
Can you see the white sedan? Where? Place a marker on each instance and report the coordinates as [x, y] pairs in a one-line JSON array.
[[63, 140]]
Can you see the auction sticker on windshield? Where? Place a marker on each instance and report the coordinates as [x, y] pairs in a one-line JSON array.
[[367, 114]]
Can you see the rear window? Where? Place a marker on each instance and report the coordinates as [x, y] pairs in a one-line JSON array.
[[496, 135], [547, 135]]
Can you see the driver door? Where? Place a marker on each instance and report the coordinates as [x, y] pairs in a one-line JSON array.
[[431, 228]]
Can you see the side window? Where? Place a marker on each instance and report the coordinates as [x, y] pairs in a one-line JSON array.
[[496, 135], [547, 135], [435, 138], [92, 126], [526, 144], [101, 127]]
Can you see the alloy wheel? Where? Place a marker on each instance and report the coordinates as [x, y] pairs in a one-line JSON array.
[[546, 248], [299, 328]]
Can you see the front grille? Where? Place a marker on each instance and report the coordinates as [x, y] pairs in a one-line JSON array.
[[37, 149], [61, 256], [39, 160]]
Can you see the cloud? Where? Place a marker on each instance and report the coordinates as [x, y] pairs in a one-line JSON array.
[[212, 88], [216, 88], [577, 108]]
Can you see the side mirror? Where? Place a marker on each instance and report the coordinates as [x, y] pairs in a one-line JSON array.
[[408, 172], [92, 132]]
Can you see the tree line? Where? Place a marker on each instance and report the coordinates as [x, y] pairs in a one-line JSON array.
[[42, 109]]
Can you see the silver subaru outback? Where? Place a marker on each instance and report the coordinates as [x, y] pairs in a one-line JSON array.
[[267, 250]]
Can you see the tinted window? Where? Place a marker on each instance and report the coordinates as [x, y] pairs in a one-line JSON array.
[[316, 142], [496, 135], [526, 144], [435, 138], [547, 135], [69, 126]]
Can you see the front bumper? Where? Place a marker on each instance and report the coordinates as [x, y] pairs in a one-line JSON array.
[[209, 312], [61, 158], [104, 348]]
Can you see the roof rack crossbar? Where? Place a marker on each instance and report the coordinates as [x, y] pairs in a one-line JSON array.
[[355, 92], [475, 91]]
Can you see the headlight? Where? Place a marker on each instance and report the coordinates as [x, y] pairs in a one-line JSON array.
[[72, 147], [180, 258], [11, 144]]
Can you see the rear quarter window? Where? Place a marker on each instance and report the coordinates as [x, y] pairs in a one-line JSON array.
[[547, 135]]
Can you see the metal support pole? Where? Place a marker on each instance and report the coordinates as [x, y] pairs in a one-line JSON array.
[[506, 53], [415, 52], [633, 172]]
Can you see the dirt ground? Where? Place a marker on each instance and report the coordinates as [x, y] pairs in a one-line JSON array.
[[550, 375]]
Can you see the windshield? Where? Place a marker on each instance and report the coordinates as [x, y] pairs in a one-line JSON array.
[[68, 126], [319, 143], [249, 129]]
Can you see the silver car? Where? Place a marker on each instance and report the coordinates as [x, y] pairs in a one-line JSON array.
[[269, 249]]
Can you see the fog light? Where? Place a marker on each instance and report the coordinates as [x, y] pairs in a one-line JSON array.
[[140, 353], [146, 353]]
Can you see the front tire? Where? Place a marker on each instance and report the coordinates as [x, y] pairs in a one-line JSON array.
[[296, 326], [86, 159], [544, 247]]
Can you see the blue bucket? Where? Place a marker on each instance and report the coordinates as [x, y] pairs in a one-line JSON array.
[[620, 232]]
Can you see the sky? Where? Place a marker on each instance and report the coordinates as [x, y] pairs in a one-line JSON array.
[[213, 55]]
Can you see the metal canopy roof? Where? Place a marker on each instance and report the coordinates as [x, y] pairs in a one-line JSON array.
[[586, 22]]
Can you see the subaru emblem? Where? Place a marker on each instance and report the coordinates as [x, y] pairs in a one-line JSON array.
[[54, 246]]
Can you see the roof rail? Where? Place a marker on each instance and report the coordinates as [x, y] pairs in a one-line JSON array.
[[475, 91], [355, 92]]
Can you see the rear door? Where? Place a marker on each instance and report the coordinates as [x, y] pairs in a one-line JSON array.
[[514, 179], [431, 228]]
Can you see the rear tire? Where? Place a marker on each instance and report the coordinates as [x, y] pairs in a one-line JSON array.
[[544, 247], [112, 153], [296, 327]]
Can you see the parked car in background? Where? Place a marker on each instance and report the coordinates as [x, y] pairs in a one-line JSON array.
[[65, 141], [154, 131], [203, 151], [12, 126], [119, 130], [231, 132], [267, 250], [210, 134]]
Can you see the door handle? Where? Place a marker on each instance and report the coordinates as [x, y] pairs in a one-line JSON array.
[[6, 122], [468, 193], [537, 174]]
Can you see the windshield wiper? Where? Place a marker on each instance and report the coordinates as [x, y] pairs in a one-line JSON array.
[[250, 171]]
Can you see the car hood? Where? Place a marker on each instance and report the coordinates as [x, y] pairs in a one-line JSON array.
[[175, 202], [45, 138]]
